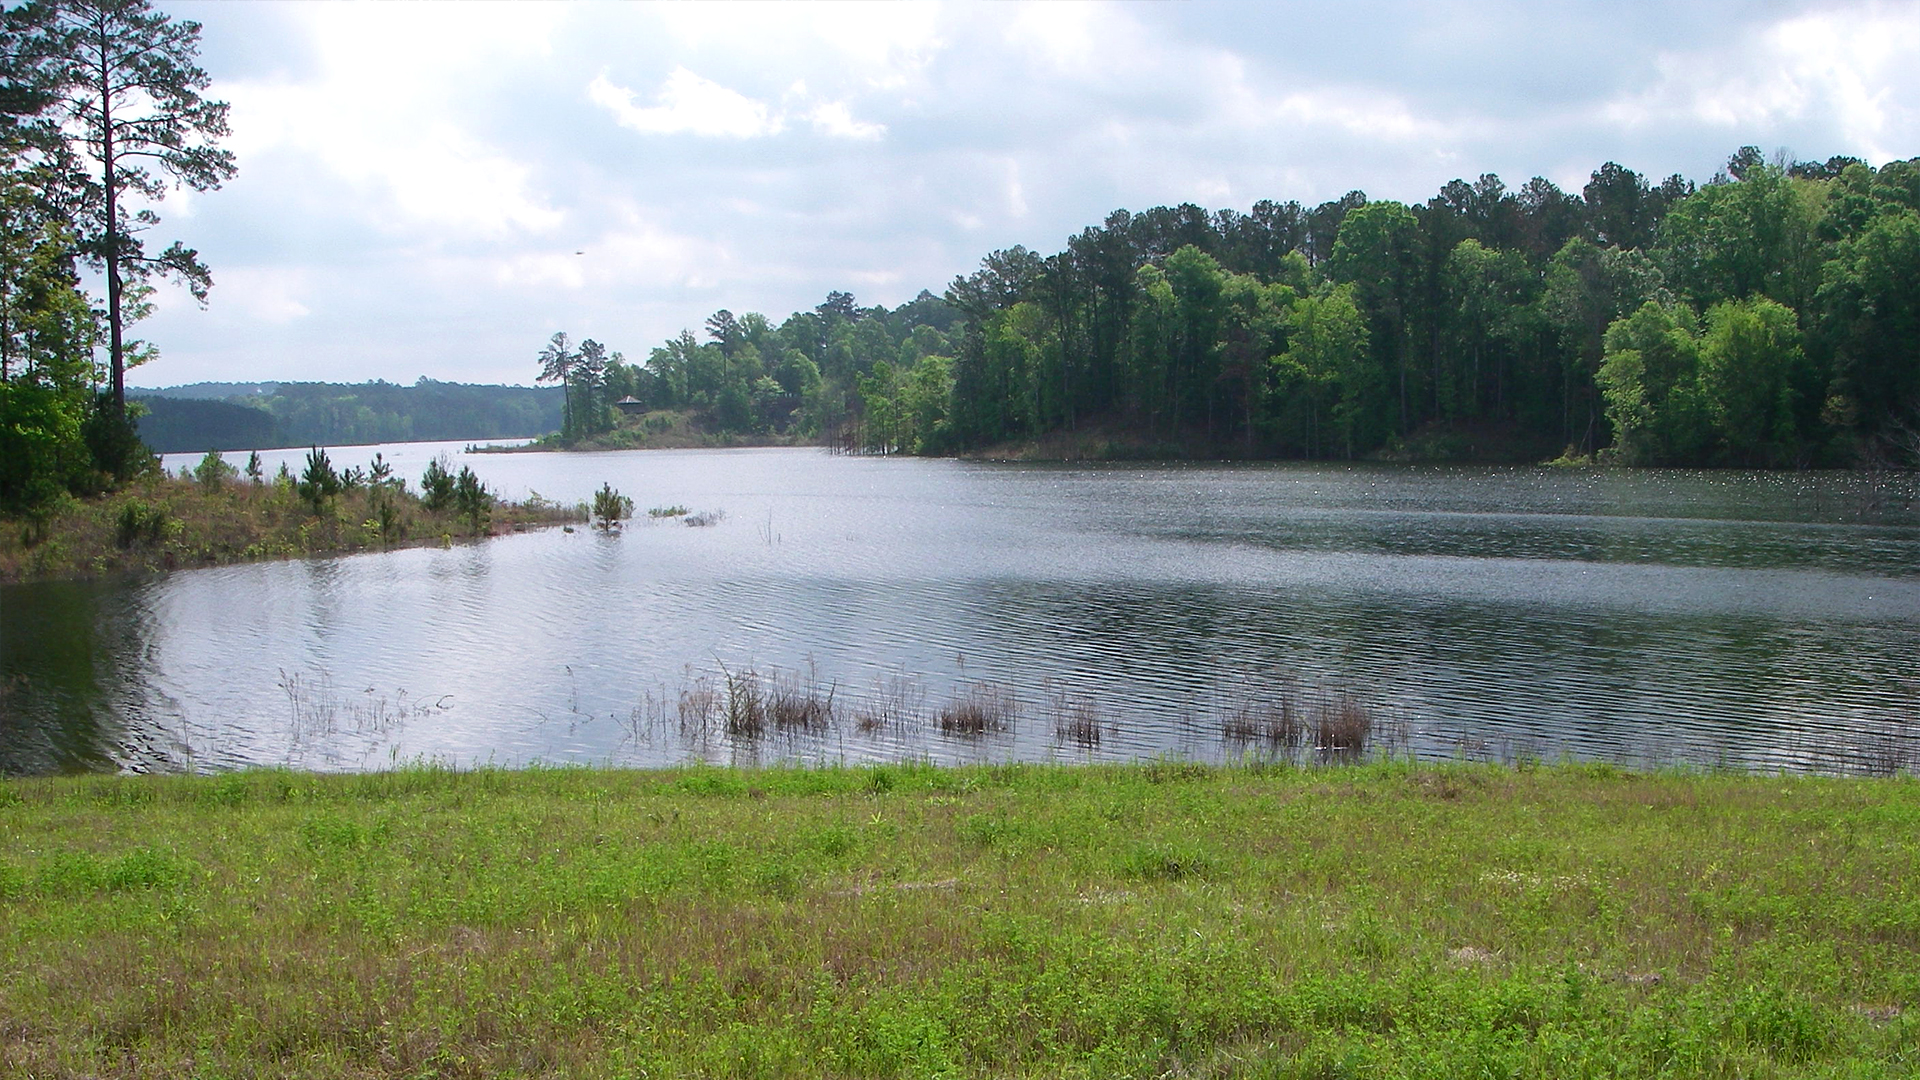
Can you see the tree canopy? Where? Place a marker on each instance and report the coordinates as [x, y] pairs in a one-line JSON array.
[[1768, 317]]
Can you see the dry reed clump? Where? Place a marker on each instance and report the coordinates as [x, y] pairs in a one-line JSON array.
[[1342, 727], [697, 707], [1076, 720], [1281, 724], [318, 710], [983, 708], [1889, 744], [894, 704], [745, 708], [796, 704], [1335, 726], [1885, 747]]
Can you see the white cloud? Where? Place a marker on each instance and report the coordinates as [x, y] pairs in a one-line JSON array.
[[1065, 35], [835, 119], [635, 253], [884, 45], [1852, 69], [688, 104], [382, 113], [265, 294], [1359, 112], [1016, 193], [693, 105]]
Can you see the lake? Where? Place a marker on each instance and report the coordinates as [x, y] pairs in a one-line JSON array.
[[1103, 612]]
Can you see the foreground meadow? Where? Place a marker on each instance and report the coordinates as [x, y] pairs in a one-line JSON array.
[[1152, 920]]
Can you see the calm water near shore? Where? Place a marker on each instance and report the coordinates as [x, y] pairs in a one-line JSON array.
[[1759, 620]]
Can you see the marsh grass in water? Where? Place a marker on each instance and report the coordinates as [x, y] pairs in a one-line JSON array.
[[1248, 718], [744, 706], [980, 708], [1164, 919], [1277, 717], [1076, 719]]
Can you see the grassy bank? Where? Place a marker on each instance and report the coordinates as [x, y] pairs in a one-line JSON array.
[[168, 522], [1157, 920]]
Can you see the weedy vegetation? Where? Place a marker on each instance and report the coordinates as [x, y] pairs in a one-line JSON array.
[[214, 514]]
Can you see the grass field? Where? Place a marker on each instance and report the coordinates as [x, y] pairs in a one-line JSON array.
[[1155, 920]]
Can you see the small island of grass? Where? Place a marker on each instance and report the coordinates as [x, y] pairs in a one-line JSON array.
[[215, 515]]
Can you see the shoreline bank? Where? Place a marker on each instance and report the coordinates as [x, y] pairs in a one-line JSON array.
[[168, 523]]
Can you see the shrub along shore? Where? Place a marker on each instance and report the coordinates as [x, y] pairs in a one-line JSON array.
[[1163, 919], [214, 515]]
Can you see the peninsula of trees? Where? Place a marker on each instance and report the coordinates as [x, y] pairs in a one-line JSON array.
[[1769, 317]]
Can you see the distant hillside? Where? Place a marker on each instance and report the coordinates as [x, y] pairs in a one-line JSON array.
[[204, 416], [181, 425], [205, 391]]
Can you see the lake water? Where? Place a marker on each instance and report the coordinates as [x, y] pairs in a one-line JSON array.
[[1103, 611]]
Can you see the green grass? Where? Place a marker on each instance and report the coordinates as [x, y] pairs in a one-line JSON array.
[[1152, 920]]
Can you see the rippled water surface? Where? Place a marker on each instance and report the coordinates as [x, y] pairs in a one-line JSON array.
[[1110, 612]]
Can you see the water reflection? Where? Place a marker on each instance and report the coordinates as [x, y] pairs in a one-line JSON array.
[[72, 693], [1647, 617]]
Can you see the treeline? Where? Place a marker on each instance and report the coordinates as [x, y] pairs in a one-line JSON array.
[[800, 378], [1766, 318], [1769, 317], [323, 414]]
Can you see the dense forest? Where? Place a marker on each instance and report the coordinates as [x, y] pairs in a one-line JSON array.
[[248, 416], [1768, 317]]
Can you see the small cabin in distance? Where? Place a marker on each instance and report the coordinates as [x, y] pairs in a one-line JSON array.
[[631, 405]]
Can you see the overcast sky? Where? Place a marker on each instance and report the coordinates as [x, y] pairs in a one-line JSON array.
[[434, 189]]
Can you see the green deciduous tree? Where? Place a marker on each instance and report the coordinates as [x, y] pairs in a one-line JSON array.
[[1487, 299], [1326, 372], [1586, 288], [1870, 298], [1378, 253], [46, 354], [1756, 236], [1650, 383], [1749, 358]]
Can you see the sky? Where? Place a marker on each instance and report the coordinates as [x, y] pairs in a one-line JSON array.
[[435, 189]]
